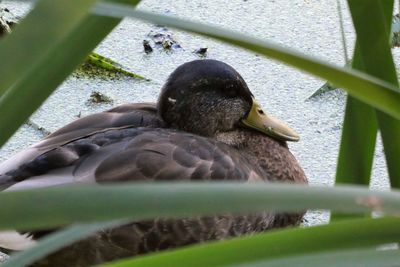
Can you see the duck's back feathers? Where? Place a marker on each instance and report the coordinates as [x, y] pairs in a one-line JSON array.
[[55, 146], [164, 154], [135, 154], [124, 116]]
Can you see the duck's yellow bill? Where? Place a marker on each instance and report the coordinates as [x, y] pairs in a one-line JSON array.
[[259, 120]]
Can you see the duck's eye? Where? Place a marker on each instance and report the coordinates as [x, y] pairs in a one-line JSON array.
[[260, 111]]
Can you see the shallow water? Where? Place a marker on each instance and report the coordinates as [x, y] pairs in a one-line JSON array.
[[311, 27]]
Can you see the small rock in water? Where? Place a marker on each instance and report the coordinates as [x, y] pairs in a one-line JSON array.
[[162, 39], [147, 47], [97, 97], [202, 51], [158, 38], [7, 20], [4, 27], [167, 44]]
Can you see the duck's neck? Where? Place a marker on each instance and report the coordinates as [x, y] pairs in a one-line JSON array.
[[251, 141], [273, 157]]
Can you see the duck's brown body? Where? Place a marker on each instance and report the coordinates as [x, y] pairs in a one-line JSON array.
[[274, 163], [133, 143]]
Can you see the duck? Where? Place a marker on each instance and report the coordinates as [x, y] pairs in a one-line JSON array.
[[205, 126]]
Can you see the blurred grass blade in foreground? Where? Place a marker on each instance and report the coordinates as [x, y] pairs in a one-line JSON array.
[[141, 201], [373, 91], [360, 125], [372, 21], [30, 90], [34, 37], [276, 245], [53, 242]]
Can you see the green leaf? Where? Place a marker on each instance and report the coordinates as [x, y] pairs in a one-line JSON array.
[[357, 146], [326, 87], [87, 203], [358, 138], [54, 242], [360, 125], [371, 90], [342, 258], [372, 21], [275, 245], [342, 33], [394, 42], [52, 67]]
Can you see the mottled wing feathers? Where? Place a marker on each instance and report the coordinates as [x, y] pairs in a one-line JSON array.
[[42, 156], [128, 115], [162, 155], [132, 154]]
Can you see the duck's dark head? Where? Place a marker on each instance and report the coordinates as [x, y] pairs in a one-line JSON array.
[[208, 97]]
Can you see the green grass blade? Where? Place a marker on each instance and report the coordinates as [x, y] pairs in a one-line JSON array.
[[394, 42], [325, 88], [357, 145], [364, 234], [41, 81], [342, 33], [275, 244], [53, 243], [372, 21], [358, 138], [346, 258], [61, 206], [371, 90]]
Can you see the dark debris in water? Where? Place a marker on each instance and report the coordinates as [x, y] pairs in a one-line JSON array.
[[7, 21], [99, 98], [395, 41], [201, 52], [147, 47], [43, 131], [4, 27], [162, 39]]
